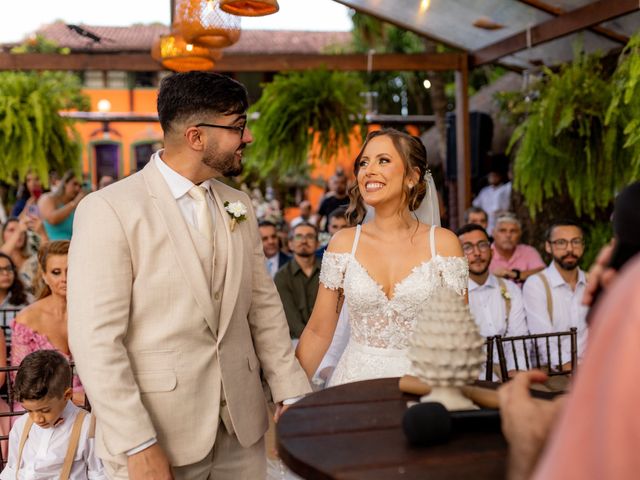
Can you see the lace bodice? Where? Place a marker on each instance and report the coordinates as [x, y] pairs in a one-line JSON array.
[[381, 322]]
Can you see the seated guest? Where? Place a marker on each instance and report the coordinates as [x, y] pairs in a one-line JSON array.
[[477, 216], [493, 198], [297, 282], [43, 324], [305, 214], [28, 195], [496, 304], [13, 295], [336, 197], [553, 297], [43, 443], [57, 208], [275, 259], [337, 221], [16, 243], [511, 259]]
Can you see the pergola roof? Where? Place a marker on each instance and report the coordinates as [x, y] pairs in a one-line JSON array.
[[532, 31]]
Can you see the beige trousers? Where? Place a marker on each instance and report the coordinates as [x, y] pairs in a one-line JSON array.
[[227, 460]]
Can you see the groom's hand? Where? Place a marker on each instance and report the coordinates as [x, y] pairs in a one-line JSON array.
[[149, 464], [280, 409]]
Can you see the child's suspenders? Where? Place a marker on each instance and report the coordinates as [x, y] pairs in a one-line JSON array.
[[71, 449]]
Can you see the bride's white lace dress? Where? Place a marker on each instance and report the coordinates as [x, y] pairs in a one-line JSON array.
[[381, 326]]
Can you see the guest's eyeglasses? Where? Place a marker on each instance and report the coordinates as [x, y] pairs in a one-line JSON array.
[[562, 244], [483, 246], [7, 270], [237, 128], [299, 237]]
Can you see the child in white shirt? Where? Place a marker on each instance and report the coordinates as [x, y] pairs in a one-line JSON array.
[[55, 438]]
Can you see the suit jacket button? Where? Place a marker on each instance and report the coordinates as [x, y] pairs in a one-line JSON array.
[[223, 402], [217, 296]]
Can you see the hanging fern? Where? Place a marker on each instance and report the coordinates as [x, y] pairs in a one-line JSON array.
[[574, 135], [294, 108], [33, 136]]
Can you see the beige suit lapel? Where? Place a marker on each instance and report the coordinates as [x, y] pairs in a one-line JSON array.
[[234, 259], [178, 232]]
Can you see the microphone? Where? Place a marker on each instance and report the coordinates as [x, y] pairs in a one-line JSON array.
[[430, 423]]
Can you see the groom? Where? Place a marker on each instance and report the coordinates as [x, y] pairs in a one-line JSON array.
[[172, 316]]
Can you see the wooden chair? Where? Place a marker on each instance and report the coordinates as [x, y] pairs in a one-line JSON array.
[[542, 351], [489, 364]]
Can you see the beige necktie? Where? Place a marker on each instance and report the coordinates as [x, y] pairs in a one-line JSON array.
[[203, 213]]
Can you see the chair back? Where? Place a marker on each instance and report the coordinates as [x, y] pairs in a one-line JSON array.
[[542, 351]]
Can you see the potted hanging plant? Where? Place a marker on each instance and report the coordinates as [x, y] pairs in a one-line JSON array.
[[33, 135], [297, 109]]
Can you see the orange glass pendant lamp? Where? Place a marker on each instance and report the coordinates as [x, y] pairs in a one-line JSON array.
[[202, 22], [250, 8], [174, 53]]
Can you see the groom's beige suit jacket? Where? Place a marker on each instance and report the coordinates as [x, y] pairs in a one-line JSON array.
[[160, 352]]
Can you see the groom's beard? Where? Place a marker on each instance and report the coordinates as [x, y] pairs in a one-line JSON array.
[[229, 164]]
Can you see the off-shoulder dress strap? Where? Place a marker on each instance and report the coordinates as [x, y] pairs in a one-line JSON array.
[[355, 240], [432, 240]]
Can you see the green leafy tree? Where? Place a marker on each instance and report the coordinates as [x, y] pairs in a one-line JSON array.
[[576, 133], [33, 135], [296, 108]]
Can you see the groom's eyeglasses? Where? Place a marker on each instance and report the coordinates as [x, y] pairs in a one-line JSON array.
[[237, 128]]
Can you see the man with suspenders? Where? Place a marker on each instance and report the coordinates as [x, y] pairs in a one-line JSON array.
[[553, 298], [496, 303]]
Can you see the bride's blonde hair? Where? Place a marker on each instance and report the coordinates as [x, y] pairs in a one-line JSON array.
[[413, 154]]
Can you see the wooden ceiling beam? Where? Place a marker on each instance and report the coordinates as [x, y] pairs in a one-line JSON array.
[[565, 24], [142, 62], [556, 11]]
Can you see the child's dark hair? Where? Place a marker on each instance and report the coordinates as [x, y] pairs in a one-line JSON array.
[[42, 374]]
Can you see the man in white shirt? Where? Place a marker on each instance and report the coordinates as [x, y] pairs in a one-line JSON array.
[[553, 297], [493, 199], [274, 258], [496, 303]]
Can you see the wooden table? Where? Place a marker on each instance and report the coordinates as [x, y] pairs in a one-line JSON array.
[[354, 431]]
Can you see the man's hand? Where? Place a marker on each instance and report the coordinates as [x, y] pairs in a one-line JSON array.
[[504, 273], [280, 409], [149, 464], [526, 422]]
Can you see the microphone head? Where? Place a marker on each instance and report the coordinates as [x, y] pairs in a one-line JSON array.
[[427, 423]]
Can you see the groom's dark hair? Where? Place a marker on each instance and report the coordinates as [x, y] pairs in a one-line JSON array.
[[189, 94]]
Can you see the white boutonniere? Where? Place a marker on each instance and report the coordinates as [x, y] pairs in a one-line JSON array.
[[505, 293], [237, 211]]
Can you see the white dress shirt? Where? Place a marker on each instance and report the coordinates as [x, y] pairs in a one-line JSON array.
[[180, 187], [489, 309], [492, 200], [46, 448], [568, 310]]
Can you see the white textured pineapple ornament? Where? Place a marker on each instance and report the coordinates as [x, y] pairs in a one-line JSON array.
[[446, 349]]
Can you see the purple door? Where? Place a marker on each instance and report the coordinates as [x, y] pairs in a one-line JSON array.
[[107, 157]]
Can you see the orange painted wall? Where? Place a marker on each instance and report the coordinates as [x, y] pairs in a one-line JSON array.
[[122, 101]]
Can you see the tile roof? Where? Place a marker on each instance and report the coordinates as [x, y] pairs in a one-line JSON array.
[[137, 38]]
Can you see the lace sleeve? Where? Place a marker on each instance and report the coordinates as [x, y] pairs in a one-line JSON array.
[[454, 272], [333, 268]]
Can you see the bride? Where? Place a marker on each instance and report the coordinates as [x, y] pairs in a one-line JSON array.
[[387, 268]]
